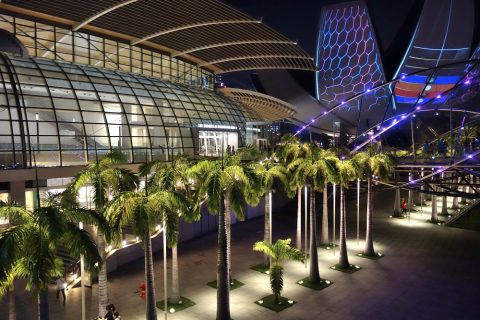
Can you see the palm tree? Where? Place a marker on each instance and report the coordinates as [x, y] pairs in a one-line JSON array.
[[269, 170], [227, 184], [289, 150], [174, 177], [279, 251], [143, 210], [368, 165], [28, 248], [317, 168], [346, 173], [107, 180]]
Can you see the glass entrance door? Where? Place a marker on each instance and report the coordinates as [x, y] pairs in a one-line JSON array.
[[212, 143]]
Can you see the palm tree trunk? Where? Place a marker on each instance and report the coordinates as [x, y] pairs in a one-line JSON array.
[[299, 219], [369, 251], [325, 238], [43, 309], [266, 228], [223, 287], [444, 206], [175, 292], [314, 276], [343, 261], [228, 228], [11, 305], [455, 203], [149, 278], [102, 276], [397, 210], [434, 217]]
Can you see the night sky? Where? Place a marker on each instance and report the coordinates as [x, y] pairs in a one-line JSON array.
[[299, 19]]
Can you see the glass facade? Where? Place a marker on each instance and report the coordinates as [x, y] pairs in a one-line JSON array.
[[59, 113], [57, 43]]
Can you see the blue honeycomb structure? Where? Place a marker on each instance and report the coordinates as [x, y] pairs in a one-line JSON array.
[[347, 58]]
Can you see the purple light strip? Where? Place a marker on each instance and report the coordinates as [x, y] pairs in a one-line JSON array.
[[467, 82]]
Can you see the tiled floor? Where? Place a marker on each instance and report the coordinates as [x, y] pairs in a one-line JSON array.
[[428, 272]]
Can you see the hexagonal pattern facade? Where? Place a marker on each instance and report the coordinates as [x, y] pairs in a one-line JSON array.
[[347, 57]]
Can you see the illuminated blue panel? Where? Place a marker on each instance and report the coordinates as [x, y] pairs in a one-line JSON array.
[[348, 61], [442, 36]]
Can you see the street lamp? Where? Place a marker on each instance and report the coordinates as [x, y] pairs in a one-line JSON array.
[[38, 136], [82, 277]]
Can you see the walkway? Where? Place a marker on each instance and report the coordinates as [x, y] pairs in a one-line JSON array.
[[428, 272]]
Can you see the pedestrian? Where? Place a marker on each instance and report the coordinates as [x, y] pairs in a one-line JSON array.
[[404, 206], [61, 285], [110, 312], [426, 148]]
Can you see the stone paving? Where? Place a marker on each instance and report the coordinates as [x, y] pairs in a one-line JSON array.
[[428, 272]]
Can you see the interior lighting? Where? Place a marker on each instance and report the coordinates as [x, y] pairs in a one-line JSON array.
[[418, 108], [368, 90], [469, 156], [439, 96], [403, 76], [467, 81], [313, 120]]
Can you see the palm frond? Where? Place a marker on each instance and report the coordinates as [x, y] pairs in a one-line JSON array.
[[78, 241]]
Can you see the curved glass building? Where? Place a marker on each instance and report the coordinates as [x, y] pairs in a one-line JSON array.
[[59, 113]]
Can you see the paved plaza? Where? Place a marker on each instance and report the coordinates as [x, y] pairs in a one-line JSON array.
[[428, 272]]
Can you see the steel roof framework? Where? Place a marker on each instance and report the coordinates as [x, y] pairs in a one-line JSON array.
[[207, 32]]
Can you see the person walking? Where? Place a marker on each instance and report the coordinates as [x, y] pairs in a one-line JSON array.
[[426, 147], [404, 206], [61, 286], [110, 315]]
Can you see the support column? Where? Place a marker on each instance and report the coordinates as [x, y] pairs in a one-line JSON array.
[[17, 191], [397, 210]]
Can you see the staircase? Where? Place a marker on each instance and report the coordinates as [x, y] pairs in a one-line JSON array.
[[463, 211]]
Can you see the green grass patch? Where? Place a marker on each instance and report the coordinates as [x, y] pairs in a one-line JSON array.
[[350, 269], [183, 304], [269, 303], [260, 268], [377, 256], [324, 283], [234, 285]]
